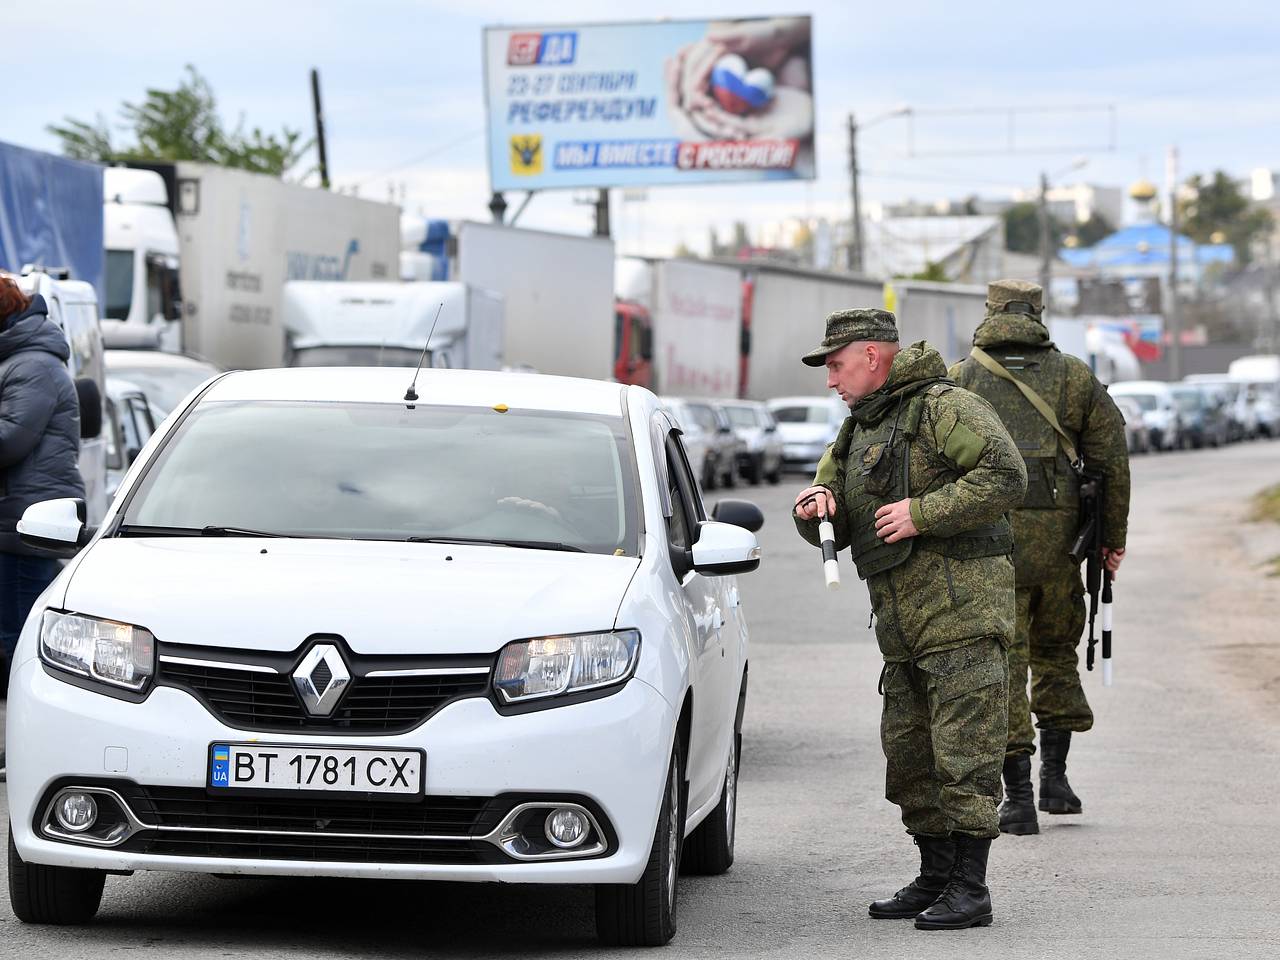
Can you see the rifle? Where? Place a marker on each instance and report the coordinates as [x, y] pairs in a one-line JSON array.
[[1087, 549]]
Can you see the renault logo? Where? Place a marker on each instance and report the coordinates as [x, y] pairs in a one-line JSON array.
[[321, 678]]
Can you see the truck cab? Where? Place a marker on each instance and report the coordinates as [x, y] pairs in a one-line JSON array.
[[142, 255], [633, 344], [73, 306]]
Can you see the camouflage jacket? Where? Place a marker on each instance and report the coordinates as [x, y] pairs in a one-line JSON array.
[[1044, 527], [962, 474]]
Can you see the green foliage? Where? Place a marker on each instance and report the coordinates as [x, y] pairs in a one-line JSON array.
[[183, 124], [1266, 505], [1219, 205], [1022, 229], [932, 271], [1096, 228]]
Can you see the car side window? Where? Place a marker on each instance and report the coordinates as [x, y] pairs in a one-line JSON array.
[[678, 523]]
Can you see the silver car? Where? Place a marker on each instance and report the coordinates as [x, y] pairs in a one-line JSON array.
[[806, 425], [758, 431]]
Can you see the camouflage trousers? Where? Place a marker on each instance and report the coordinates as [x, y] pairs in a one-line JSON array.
[[1051, 620], [943, 730]]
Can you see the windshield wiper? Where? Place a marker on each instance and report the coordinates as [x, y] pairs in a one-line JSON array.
[[143, 530], [489, 541]]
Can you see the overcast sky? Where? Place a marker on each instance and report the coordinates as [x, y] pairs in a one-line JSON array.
[[404, 103]]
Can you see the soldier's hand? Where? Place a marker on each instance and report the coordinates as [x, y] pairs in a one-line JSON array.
[[894, 523], [813, 502], [1112, 559]]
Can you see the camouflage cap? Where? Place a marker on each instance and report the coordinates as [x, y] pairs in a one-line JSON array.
[[850, 326], [1002, 293]]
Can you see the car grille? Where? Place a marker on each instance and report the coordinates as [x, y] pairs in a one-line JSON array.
[[252, 700], [343, 830]]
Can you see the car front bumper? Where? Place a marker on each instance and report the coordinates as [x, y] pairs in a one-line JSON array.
[[611, 752]]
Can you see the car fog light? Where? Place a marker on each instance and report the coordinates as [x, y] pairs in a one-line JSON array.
[[76, 812], [566, 828]]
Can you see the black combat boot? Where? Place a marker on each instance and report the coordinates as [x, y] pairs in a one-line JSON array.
[[965, 901], [936, 856], [1018, 812], [1056, 795]]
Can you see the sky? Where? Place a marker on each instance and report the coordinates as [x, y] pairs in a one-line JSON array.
[[404, 107]]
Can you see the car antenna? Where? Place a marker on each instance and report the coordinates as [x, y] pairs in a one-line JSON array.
[[411, 394]]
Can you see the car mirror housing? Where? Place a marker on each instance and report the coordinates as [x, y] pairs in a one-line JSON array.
[[55, 526], [723, 549], [740, 513]]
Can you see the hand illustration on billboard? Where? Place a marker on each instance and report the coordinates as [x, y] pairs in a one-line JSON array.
[[766, 64]]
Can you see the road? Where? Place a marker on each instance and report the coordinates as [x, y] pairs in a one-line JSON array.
[[1176, 856]]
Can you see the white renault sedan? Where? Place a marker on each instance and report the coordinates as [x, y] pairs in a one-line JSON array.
[[478, 630]]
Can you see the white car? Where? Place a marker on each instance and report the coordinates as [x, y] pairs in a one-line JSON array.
[[761, 454], [166, 378], [1160, 411], [807, 425], [130, 424], [481, 630]]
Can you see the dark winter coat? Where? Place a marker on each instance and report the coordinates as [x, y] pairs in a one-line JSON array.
[[39, 419]]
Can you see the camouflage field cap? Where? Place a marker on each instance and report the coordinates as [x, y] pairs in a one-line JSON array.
[[849, 326], [1015, 296]]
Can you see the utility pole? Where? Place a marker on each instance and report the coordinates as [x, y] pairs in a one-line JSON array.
[[498, 206], [856, 264], [602, 212], [1046, 255], [1172, 311], [320, 144]]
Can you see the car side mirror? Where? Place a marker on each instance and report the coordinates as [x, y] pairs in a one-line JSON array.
[[56, 526], [90, 399], [771, 428], [723, 549], [724, 430], [740, 513]]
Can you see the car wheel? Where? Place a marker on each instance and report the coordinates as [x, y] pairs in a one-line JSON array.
[[709, 476], [730, 479], [754, 471], [643, 914], [775, 477], [709, 849], [40, 893]]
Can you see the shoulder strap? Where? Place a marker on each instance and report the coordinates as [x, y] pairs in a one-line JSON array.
[[1033, 398]]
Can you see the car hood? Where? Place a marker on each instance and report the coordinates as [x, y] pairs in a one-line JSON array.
[[806, 432], [393, 598]]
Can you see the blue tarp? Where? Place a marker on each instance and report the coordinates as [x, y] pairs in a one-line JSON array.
[[1145, 244], [51, 213]]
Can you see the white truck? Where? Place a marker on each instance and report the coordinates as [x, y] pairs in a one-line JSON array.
[[200, 254], [557, 292], [388, 324]]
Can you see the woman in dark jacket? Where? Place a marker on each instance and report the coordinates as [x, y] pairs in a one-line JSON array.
[[39, 449]]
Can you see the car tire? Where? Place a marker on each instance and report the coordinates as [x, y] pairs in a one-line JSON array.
[[709, 476], [643, 914], [730, 479], [754, 471], [709, 849], [775, 477], [61, 896]]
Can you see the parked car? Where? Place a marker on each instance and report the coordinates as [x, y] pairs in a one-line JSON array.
[[1136, 435], [326, 630], [1204, 415], [701, 443], [130, 424], [1160, 412], [1264, 398], [166, 378], [723, 444], [807, 426], [755, 427], [1242, 413]]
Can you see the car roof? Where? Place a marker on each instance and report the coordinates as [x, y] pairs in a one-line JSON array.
[[813, 400], [466, 388], [1139, 386], [156, 359]]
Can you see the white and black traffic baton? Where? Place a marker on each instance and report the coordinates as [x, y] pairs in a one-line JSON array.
[[830, 568], [1106, 628]]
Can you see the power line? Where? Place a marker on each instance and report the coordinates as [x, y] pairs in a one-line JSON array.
[[434, 151]]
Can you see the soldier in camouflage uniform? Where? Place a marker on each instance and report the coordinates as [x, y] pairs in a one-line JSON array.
[[917, 486], [1050, 593]]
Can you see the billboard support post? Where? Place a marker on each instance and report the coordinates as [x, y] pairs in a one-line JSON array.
[[498, 206], [602, 212]]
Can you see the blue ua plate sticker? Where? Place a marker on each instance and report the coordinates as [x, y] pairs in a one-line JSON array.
[[219, 773]]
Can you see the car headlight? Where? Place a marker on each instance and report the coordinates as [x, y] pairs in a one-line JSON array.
[[115, 654], [554, 666]]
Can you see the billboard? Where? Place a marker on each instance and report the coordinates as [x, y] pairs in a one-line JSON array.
[[675, 102]]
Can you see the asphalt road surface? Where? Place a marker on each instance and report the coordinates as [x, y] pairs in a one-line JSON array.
[[1177, 854]]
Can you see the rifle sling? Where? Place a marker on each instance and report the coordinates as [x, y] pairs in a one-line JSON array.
[[1042, 408]]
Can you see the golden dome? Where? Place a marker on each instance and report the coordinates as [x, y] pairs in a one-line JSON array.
[[1144, 189]]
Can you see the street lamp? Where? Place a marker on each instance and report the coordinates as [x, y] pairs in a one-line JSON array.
[[856, 264]]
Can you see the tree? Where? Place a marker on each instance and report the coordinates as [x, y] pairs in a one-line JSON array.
[[1096, 228], [1220, 205], [1022, 229], [933, 271], [182, 124]]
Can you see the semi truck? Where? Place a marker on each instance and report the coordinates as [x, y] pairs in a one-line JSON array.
[[199, 254], [390, 324]]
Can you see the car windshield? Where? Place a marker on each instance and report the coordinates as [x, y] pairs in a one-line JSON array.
[[370, 471], [1188, 401], [357, 356], [808, 413], [119, 284], [1146, 402], [165, 387], [742, 417]]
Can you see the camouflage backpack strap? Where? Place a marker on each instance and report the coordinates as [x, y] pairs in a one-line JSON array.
[[993, 366]]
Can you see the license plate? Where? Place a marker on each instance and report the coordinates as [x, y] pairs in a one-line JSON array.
[[275, 766]]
